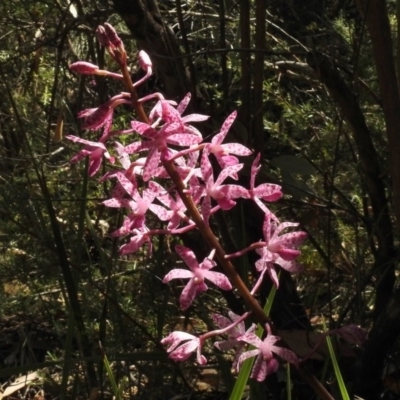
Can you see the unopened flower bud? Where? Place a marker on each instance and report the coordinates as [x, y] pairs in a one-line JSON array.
[[83, 67], [102, 36], [144, 61], [112, 35]]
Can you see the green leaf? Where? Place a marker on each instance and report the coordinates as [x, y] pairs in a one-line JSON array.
[[336, 368]]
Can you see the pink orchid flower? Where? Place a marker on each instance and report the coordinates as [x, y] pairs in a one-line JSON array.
[[140, 237], [279, 249], [222, 194], [102, 116], [197, 274], [165, 111], [94, 150], [222, 151], [265, 191], [233, 335], [176, 206], [158, 141], [181, 352], [265, 363], [139, 204]]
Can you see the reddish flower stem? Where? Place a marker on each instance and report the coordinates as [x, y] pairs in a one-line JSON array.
[[253, 246], [138, 107]]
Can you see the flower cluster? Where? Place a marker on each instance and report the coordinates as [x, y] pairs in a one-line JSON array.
[[185, 199]]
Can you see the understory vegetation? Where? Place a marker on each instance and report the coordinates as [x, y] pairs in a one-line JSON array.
[[315, 85]]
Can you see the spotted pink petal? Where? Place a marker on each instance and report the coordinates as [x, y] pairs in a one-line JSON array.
[[116, 203], [79, 156], [273, 275], [190, 292], [136, 147], [169, 113], [206, 169], [174, 222], [207, 264], [187, 256], [218, 139], [291, 239], [218, 279], [183, 352], [227, 161], [148, 196], [262, 368], [226, 204], [122, 155], [234, 191], [128, 186], [289, 254], [144, 129], [98, 118], [86, 113], [194, 118], [94, 164], [183, 139], [135, 243], [283, 226], [152, 161], [175, 338], [161, 212], [236, 148], [178, 274], [290, 266], [184, 103], [268, 192], [255, 167], [157, 189], [228, 172], [252, 339], [286, 355], [191, 129], [206, 209], [246, 355], [221, 321], [90, 143]]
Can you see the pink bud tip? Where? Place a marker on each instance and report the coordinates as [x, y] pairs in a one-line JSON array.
[[102, 36], [144, 60], [112, 35], [83, 67]]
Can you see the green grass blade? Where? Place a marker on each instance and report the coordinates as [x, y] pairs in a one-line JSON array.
[[114, 386], [338, 374], [288, 382], [336, 368]]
